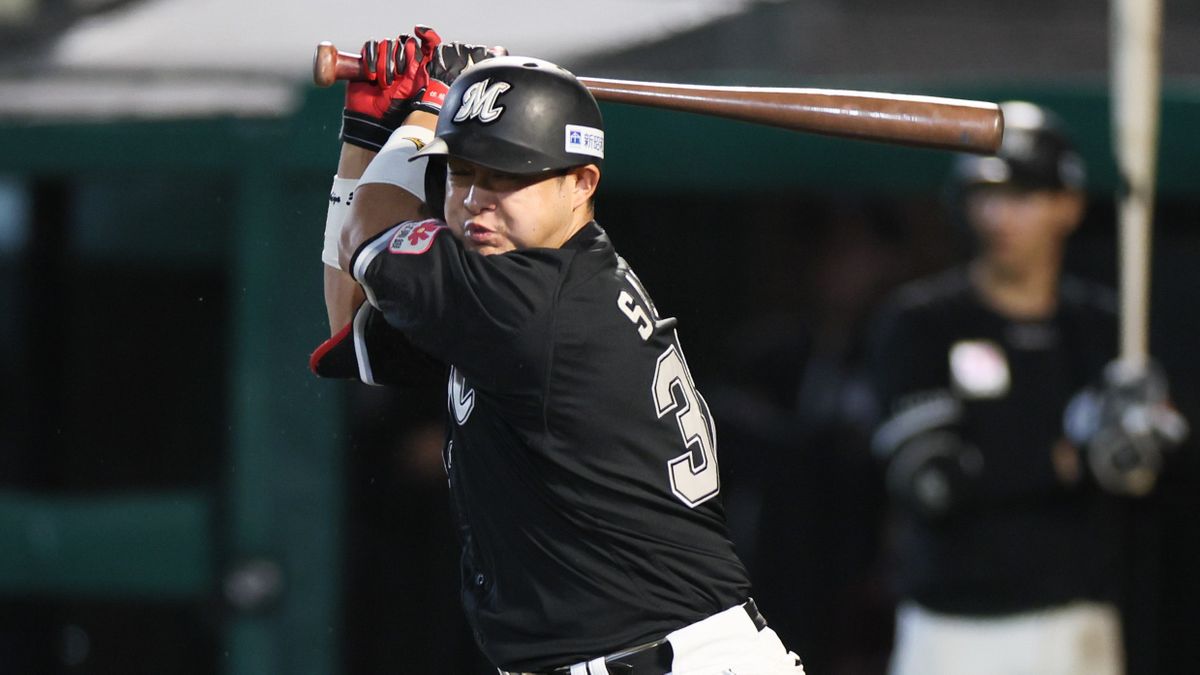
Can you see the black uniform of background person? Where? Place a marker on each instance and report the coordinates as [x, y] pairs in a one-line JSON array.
[[1007, 535], [996, 513], [581, 459]]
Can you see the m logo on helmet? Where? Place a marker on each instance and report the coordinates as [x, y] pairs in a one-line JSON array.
[[479, 102]]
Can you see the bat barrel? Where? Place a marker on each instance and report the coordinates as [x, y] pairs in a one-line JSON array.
[[923, 121]]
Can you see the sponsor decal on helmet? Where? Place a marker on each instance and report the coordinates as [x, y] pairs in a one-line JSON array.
[[583, 140], [1019, 144], [479, 102], [993, 170], [415, 238], [1070, 170]]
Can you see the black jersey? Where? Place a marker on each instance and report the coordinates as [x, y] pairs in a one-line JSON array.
[[582, 460], [944, 361]]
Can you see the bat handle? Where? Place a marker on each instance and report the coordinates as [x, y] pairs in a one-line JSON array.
[[331, 65]]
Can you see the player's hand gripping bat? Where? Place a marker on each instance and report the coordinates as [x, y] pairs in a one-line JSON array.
[[924, 121]]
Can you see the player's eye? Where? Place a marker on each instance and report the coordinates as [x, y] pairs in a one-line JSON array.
[[460, 176], [505, 182]]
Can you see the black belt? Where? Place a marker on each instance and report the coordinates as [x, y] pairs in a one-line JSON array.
[[652, 657]]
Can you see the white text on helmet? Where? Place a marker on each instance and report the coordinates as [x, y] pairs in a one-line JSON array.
[[479, 101]]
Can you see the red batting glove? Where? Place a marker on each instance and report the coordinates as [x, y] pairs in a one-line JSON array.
[[434, 94], [444, 62], [395, 78]]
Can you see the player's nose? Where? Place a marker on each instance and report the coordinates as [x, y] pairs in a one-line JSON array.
[[995, 214], [478, 199]]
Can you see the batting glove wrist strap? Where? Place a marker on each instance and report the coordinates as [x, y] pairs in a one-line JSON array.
[[392, 166], [366, 131], [432, 97], [341, 193]]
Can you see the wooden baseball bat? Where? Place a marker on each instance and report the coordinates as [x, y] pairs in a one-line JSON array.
[[922, 121], [1136, 29]]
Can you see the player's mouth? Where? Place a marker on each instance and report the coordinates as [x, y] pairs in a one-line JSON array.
[[481, 236]]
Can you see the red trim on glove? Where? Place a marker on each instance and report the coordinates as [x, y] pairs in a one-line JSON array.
[[435, 93], [327, 346]]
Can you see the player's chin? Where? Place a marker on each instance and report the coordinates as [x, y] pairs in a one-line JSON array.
[[488, 248]]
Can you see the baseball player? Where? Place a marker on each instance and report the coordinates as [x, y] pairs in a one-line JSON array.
[[581, 457], [1008, 523]]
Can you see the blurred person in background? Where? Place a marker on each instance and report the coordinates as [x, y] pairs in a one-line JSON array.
[[1009, 436]]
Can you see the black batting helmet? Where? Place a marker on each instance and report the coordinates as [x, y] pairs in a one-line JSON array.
[[519, 115], [1035, 154]]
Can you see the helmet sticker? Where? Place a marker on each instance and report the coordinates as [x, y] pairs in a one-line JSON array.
[[1071, 171], [479, 102], [1019, 144], [993, 170], [583, 140]]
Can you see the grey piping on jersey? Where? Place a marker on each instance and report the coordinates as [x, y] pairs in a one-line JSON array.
[[360, 346], [710, 423], [366, 255], [641, 290], [709, 420], [932, 411], [660, 325]]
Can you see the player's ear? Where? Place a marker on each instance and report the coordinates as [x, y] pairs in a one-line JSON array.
[[1071, 205], [587, 179]]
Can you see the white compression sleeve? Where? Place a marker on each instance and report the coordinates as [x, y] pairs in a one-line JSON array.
[[340, 196], [391, 165]]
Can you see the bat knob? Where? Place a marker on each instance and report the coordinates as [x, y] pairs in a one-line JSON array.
[[325, 64]]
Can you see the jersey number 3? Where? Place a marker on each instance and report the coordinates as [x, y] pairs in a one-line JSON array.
[[694, 476]]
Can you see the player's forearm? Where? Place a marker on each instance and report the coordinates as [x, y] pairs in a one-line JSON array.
[[353, 161], [386, 206], [342, 294], [394, 198]]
